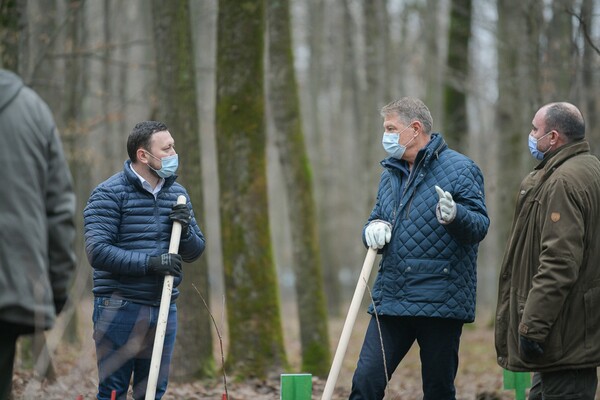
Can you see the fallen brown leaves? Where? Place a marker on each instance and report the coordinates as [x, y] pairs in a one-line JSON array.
[[479, 378]]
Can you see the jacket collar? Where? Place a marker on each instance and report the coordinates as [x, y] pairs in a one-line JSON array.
[[134, 180], [562, 154], [433, 148]]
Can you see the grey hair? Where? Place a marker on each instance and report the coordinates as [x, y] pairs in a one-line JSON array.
[[409, 109]]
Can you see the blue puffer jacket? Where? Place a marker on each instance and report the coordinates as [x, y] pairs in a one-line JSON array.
[[429, 269], [124, 226]]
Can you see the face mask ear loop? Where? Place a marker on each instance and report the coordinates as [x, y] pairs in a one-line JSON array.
[[543, 136], [413, 138], [152, 155]]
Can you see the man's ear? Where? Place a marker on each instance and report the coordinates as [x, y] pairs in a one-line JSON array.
[[141, 155], [416, 126], [554, 137]]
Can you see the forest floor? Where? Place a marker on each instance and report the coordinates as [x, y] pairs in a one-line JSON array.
[[479, 378]]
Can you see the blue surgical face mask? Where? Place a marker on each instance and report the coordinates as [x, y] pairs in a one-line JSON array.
[[169, 165], [391, 143], [533, 146]]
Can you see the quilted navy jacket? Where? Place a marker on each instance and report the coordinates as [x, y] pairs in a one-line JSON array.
[[429, 269], [124, 226]]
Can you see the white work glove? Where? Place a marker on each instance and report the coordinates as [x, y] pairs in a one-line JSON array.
[[446, 207], [378, 233]]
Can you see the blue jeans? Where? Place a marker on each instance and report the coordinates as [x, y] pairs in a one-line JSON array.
[[570, 384], [438, 341], [124, 334]]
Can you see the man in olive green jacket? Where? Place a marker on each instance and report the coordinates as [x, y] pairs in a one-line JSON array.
[[548, 311]]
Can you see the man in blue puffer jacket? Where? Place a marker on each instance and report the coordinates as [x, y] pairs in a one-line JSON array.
[[128, 222], [427, 222]]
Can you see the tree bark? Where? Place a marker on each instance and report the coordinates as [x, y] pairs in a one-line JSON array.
[[253, 310], [320, 87], [590, 76], [192, 358], [518, 99], [377, 92], [455, 127], [11, 26], [289, 137], [560, 58]]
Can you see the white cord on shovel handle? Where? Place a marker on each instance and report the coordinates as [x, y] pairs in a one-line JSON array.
[[163, 313], [349, 324]]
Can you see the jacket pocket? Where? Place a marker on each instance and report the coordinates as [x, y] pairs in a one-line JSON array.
[[591, 300], [426, 281]]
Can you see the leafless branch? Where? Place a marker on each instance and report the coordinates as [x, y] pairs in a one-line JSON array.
[[220, 339], [585, 29]]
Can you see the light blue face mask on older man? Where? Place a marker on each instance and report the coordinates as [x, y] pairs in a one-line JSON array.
[[391, 143]]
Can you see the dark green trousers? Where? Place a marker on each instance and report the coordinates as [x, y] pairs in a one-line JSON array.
[[574, 384]]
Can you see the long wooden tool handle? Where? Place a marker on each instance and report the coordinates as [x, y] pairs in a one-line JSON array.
[[349, 324], [163, 313]]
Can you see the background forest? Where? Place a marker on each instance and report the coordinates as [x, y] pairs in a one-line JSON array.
[[274, 108]]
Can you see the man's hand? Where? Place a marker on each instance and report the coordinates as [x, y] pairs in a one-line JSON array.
[[446, 207], [165, 264], [378, 233], [181, 213], [59, 304], [529, 349]]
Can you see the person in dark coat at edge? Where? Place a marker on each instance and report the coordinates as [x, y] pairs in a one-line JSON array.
[[427, 222], [37, 228], [548, 310], [128, 222]]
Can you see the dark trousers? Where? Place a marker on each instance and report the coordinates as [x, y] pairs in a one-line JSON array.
[[438, 341], [8, 343], [580, 384], [9, 334]]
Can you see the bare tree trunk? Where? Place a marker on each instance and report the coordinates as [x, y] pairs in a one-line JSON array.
[[433, 57], [560, 57], [40, 69], [75, 130], [205, 42], [192, 358], [347, 116], [377, 92], [320, 87], [289, 136], [455, 127], [11, 26], [256, 337], [518, 99], [591, 76]]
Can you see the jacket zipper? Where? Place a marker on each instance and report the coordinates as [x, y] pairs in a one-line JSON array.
[[413, 173], [411, 176]]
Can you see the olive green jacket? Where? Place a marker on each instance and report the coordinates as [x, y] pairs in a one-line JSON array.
[[549, 288]]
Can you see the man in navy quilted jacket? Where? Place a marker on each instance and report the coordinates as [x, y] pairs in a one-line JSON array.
[[128, 221], [428, 220]]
